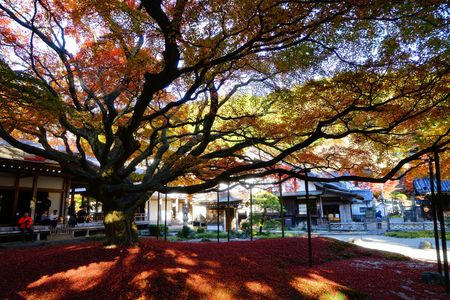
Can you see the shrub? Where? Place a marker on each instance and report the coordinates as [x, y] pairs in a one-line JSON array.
[[395, 216], [245, 226], [153, 229], [272, 224], [200, 230], [186, 233], [413, 234], [210, 235]]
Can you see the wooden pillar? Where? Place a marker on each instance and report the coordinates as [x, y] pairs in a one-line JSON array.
[[225, 218], [236, 216], [149, 204], [308, 220], [434, 215], [64, 213], [440, 213], [62, 197], [281, 207], [228, 213], [72, 198], [321, 207], [251, 213], [33, 197], [165, 216], [88, 208], [16, 198], [218, 216], [157, 218]]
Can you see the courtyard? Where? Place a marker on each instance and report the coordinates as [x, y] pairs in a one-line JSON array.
[[261, 269]]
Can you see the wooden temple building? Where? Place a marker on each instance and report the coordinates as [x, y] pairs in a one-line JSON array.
[[29, 183], [328, 202]]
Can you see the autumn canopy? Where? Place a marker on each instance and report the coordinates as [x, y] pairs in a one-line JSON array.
[[143, 96]]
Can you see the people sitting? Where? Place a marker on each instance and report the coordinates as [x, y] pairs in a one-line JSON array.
[[45, 219], [54, 218], [82, 215], [25, 223]]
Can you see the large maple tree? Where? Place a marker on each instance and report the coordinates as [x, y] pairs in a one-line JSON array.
[[188, 94]]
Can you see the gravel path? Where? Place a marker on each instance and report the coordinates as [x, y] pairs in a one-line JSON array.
[[408, 247]]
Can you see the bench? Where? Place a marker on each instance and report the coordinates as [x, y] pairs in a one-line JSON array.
[[15, 231], [88, 228]]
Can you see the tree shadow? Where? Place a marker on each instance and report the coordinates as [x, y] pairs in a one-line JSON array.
[[266, 269]]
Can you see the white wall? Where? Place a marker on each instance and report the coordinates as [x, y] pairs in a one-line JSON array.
[[198, 211], [356, 209], [154, 210], [43, 182], [56, 202], [6, 180], [26, 182], [48, 182]]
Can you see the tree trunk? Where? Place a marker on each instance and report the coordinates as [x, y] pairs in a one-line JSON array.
[[120, 228]]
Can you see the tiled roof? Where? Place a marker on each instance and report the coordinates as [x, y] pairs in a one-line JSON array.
[[11, 153], [366, 194], [422, 186]]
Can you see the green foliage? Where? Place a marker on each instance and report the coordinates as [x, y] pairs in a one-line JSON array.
[[395, 216], [413, 234], [266, 201], [270, 235], [210, 235], [186, 233], [245, 227], [272, 224], [399, 196], [153, 229], [200, 230]]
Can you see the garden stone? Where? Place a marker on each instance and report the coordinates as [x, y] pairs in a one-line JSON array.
[[354, 240], [432, 278], [425, 245]]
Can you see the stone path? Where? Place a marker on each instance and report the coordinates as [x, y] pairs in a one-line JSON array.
[[408, 247]]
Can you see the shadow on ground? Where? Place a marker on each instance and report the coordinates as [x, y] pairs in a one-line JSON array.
[[265, 269]]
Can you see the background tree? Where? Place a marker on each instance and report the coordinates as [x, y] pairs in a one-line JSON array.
[[265, 202], [107, 88]]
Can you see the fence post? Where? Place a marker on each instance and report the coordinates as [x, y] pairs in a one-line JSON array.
[[388, 224]]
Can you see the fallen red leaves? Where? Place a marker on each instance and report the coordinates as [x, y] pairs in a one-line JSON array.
[[260, 269]]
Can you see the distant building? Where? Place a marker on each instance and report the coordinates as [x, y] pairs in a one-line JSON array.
[[422, 192], [329, 202], [29, 183]]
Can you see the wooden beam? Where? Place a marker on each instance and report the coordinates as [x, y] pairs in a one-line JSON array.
[[33, 197]]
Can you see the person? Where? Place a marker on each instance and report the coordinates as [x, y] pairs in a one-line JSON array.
[[54, 218], [25, 223], [42, 205], [379, 217], [82, 215], [45, 219], [72, 215], [47, 203]]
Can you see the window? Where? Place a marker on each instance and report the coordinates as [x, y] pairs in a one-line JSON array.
[[362, 209], [302, 209]]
